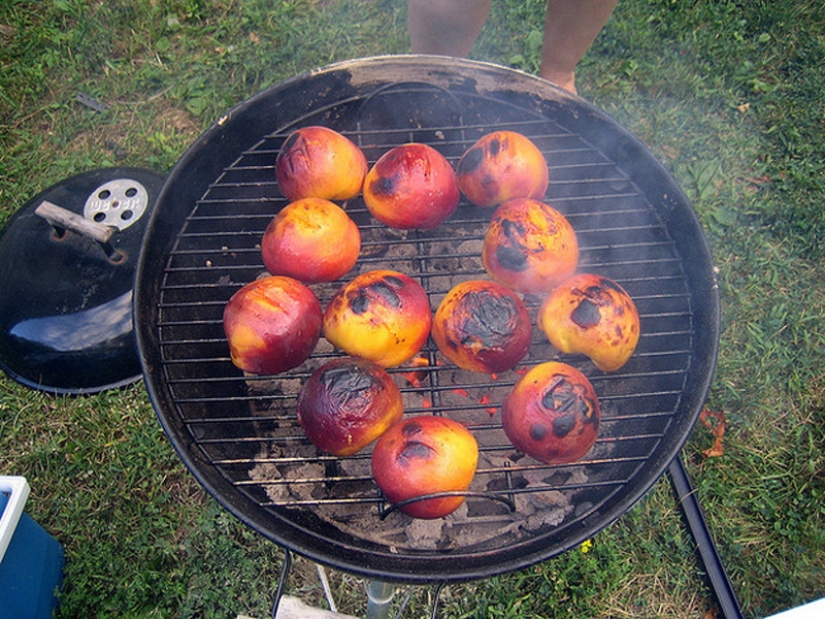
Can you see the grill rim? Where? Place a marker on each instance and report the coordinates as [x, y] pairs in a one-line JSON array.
[[637, 162]]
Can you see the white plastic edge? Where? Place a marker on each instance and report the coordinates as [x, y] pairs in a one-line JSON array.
[[812, 610], [19, 489]]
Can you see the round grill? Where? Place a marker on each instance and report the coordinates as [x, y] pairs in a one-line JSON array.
[[239, 434]]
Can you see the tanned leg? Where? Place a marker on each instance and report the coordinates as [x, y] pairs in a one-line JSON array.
[[446, 27], [570, 28], [451, 27]]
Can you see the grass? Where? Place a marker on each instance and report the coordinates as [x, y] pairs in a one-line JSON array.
[[728, 95]]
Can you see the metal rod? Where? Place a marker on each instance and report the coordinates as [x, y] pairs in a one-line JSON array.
[[379, 596], [722, 588], [322, 575], [279, 592], [436, 597]]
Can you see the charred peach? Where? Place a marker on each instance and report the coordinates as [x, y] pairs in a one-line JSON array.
[[552, 414], [594, 316], [348, 403], [382, 315], [529, 246], [411, 186], [482, 326], [318, 162], [502, 165], [312, 240], [425, 455], [272, 325]]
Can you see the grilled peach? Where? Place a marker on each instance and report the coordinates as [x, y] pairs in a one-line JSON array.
[[312, 240], [594, 316], [425, 455], [318, 162], [272, 325], [348, 403], [382, 315], [529, 246], [502, 165], [482, 326], [552, 413], [411, 186]]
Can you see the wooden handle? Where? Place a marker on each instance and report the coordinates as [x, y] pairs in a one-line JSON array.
[[63, 218]]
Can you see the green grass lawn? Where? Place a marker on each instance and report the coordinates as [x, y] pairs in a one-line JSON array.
[[728, 95]]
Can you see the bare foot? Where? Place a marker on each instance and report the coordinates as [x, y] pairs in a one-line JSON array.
[[562, 80]]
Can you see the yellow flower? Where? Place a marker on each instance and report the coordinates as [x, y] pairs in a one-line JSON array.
[[586, 545]]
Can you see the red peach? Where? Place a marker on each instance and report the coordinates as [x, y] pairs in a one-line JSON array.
[[318, 162], [425, 455], [482, 326], [348, 403], [411, 186], [272, 325], [500, 166], [552, 413], [381, 315], [312, 240]]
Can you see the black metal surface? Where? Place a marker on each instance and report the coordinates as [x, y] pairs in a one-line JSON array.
[[239, 435], [65, 306], [719, 581]]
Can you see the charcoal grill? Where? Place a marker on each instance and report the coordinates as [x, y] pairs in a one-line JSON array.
[[239, 434]]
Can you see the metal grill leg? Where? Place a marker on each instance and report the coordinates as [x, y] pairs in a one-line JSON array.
[[379, 596], [279, 592], [722, 588]]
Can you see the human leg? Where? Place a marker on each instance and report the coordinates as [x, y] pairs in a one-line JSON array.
[[570, 28], [446, 27]]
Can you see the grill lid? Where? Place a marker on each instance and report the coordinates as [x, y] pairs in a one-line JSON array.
[[67, 263], [239, 434]]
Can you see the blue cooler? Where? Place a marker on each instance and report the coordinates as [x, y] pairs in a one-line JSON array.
[[31, 560]]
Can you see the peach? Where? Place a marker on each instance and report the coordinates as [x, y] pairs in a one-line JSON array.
[[552, 413], [312, 240], [348, 403], [272, 325], [500, 166], [425, 455], [482, 326], [381, 315], [411, 186], [529, 246], [318, 162], [594, 316]]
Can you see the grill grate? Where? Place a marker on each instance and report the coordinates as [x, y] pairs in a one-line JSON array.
[[240, 433], [218, 251]]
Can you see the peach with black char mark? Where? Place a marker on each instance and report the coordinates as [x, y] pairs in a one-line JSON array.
[[592, 315], [482, 326], [425, 455], [529, 246], [552, 413], [348, 403], [381, 315], [500, 166], [411, 186]]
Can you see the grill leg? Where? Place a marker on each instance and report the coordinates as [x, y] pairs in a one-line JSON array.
[[279, 592], [379, 596], [722, 588]]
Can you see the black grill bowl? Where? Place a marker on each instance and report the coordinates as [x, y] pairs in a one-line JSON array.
[[239, 434]]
